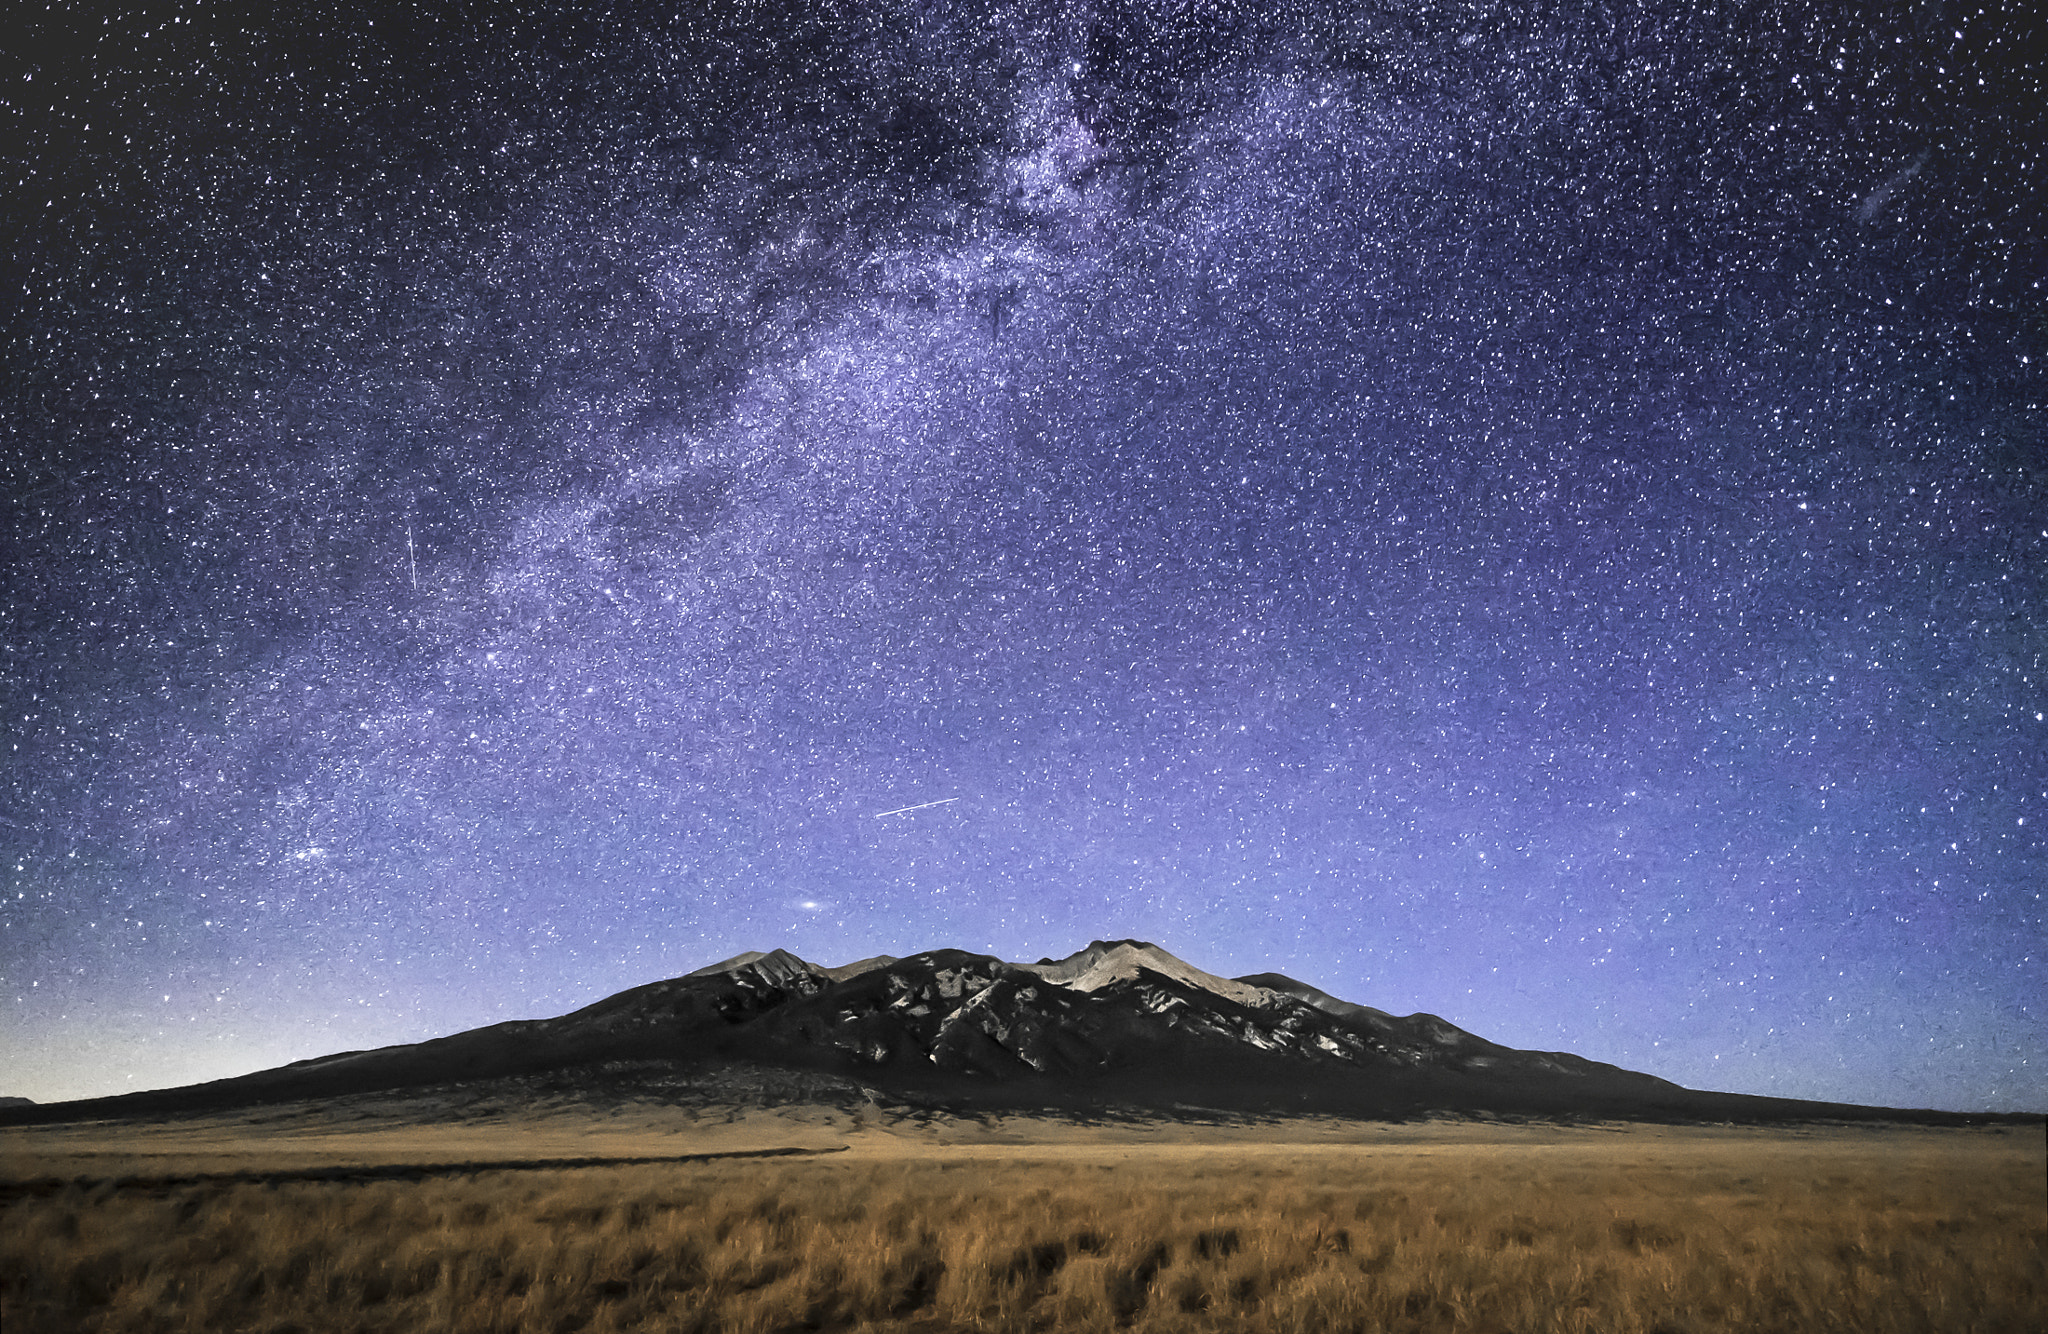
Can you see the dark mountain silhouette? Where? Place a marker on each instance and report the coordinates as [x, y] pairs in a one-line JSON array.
[[1121, 1027]]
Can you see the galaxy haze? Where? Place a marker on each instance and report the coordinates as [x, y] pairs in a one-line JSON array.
[[1535, 513]]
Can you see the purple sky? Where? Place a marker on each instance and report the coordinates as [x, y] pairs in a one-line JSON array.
[[1495, 511]]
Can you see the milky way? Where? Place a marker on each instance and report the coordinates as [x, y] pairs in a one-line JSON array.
[[1536, 514]]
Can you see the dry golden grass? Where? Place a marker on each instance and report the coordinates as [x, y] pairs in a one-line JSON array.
[[1863, 1231]]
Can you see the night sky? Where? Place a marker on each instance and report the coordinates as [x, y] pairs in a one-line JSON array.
[[1531, 512]]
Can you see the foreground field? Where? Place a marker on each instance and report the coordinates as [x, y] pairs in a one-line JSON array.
[[1281, 1228]]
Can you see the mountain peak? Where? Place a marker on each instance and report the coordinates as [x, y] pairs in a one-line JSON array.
[[778, 966], [859, 966], [1106, 962]]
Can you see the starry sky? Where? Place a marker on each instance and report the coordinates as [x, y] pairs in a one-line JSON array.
[[1531, 512]]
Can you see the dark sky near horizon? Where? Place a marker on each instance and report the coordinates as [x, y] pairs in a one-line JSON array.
[[1532, 513]]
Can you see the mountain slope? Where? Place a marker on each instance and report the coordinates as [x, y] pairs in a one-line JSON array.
[[1119, 1025]]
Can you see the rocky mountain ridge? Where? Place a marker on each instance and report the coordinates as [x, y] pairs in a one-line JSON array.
[[1121, 1026]]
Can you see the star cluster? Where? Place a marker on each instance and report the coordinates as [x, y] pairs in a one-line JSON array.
[[1536, 514]]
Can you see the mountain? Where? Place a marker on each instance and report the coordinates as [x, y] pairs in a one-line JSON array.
[[1121, 1026]]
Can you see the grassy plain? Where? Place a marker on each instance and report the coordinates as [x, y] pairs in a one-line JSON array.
[[929, 1224]]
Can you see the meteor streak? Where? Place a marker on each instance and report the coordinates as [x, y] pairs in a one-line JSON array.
[[923, 805]]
